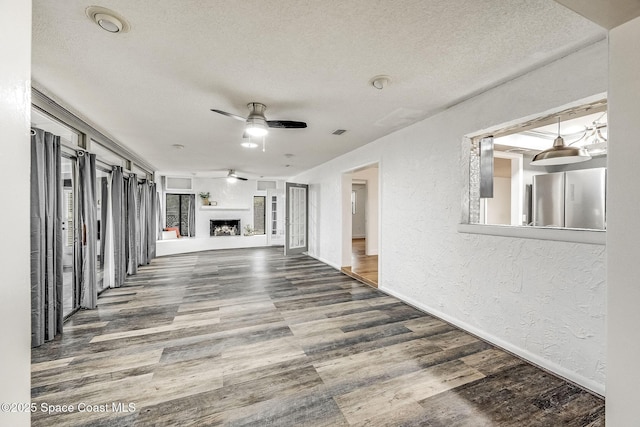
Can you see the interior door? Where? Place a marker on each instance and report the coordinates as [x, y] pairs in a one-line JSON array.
[[296, 219], [358, 211]]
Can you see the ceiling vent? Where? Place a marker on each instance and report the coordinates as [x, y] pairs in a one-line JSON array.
[[338, 132]]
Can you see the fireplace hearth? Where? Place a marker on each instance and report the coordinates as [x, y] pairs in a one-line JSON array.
[[224, 227]]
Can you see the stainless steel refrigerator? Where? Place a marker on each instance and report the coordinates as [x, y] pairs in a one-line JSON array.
[[572, 199]]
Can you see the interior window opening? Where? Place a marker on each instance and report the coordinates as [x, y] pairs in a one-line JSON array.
[[550, 173]]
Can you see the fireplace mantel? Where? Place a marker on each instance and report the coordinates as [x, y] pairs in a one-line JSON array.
[[224, 208]]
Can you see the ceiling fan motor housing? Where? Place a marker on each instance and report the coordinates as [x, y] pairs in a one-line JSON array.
[[256, 122], [256, 109]]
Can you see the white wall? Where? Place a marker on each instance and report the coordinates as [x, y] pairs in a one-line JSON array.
[[623, 234], [234, 201], [499, 207], [544, 300], [15, 297]]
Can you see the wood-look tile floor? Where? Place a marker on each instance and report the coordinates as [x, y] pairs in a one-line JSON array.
[[363, 267], [248, 337]]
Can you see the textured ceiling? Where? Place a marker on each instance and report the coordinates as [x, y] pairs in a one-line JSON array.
[[607, 13], [306, 60]]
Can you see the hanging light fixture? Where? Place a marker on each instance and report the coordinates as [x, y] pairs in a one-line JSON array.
[[560, 154], [592, 140]]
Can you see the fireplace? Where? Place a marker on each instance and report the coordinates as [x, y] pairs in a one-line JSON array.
[[224, 227]]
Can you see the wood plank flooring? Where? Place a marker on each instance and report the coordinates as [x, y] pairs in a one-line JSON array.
[[249, 338], [363, 267]]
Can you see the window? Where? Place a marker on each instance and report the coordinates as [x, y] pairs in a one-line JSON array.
[[259, 214], [274, 215], [101, 214], [178, 183], [178, 208], [353, 202], [69, 300]]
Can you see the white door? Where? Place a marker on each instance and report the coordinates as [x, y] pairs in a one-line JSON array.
[[296, 227], [358, 211]]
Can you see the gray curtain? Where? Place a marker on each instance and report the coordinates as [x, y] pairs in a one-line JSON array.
[[159, 219], [46, 238], [146, 221], [119, 226], [131, 221], [152, 224], [191, 216], [87, 230], [143, 190], [103, 218]]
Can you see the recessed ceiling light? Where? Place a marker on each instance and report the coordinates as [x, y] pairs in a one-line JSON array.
[[249, 144], [107, 19], [178, 146]]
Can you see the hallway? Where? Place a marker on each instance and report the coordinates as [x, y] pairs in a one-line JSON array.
[[249, 337], [363, 267]]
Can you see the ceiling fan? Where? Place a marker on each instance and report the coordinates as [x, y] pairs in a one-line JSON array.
[[231, 176], [257, 124]]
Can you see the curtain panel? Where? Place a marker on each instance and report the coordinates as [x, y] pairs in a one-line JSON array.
[[118, 216], [46, 238], [160, 217], [143, 193], [152, 225], [131, 229], [108, 253], [104, 216], [191, 216], [87, 231]]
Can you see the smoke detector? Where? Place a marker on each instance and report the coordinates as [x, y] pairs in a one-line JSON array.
[[380, 82], [107, 19]]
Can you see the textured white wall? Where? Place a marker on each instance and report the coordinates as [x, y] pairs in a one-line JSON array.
[[623, 235], [544, 300], [235, 194], [15, 296]]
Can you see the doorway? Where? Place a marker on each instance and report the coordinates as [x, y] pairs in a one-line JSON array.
[[296, 219], [360, 227]]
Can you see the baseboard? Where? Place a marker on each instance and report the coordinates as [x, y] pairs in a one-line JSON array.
[[331, 264], [532, 358]]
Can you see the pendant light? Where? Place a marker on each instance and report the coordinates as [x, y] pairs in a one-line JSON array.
[[560, 154]]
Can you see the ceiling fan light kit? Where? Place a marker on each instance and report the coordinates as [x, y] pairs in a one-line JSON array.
[[256, 124]]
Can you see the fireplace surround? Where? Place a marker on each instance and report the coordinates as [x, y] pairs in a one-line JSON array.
[[224, 227]]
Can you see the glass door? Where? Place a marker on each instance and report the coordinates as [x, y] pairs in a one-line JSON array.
[[101, 214], [296, 218], [68, 236]]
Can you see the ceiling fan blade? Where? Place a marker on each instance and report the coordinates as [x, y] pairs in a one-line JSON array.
[[233, 116], [241, 178], [286, 124]]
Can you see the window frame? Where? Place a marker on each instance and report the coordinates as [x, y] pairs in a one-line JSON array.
[[469, 147]]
